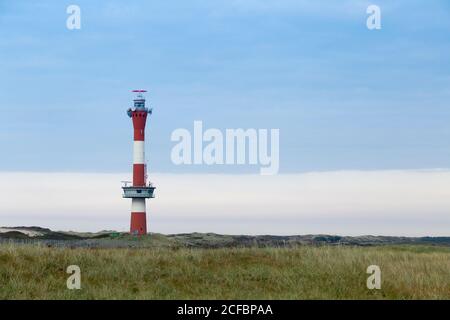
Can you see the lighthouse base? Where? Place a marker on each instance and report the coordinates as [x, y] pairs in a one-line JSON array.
[[138, 225]]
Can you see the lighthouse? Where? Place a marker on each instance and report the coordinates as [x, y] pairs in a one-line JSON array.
[[140, 188]]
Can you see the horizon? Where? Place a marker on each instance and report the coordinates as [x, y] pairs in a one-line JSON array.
[[220, 234]]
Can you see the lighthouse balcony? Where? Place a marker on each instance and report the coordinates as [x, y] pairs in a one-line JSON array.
[[138, 192]]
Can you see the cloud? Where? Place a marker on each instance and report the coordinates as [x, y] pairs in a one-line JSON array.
[[409, 203]]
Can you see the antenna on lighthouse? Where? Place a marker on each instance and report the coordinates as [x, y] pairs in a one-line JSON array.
[[139, 93]]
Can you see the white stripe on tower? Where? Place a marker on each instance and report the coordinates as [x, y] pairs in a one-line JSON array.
[[139, 152], [138, 205]]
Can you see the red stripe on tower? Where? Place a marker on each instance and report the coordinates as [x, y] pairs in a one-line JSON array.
[[139, 121], [138, 175]]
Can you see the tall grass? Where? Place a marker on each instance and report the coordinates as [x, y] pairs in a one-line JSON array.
[[36, 272]]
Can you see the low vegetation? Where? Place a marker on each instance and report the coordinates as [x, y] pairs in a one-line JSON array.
[[303, 272]]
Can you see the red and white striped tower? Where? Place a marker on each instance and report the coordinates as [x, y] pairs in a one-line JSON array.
[[140, 190]]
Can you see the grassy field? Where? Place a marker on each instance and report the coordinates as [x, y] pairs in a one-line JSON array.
[[306, 272]]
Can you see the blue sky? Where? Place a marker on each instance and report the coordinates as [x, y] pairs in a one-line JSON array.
[[342, 96]]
